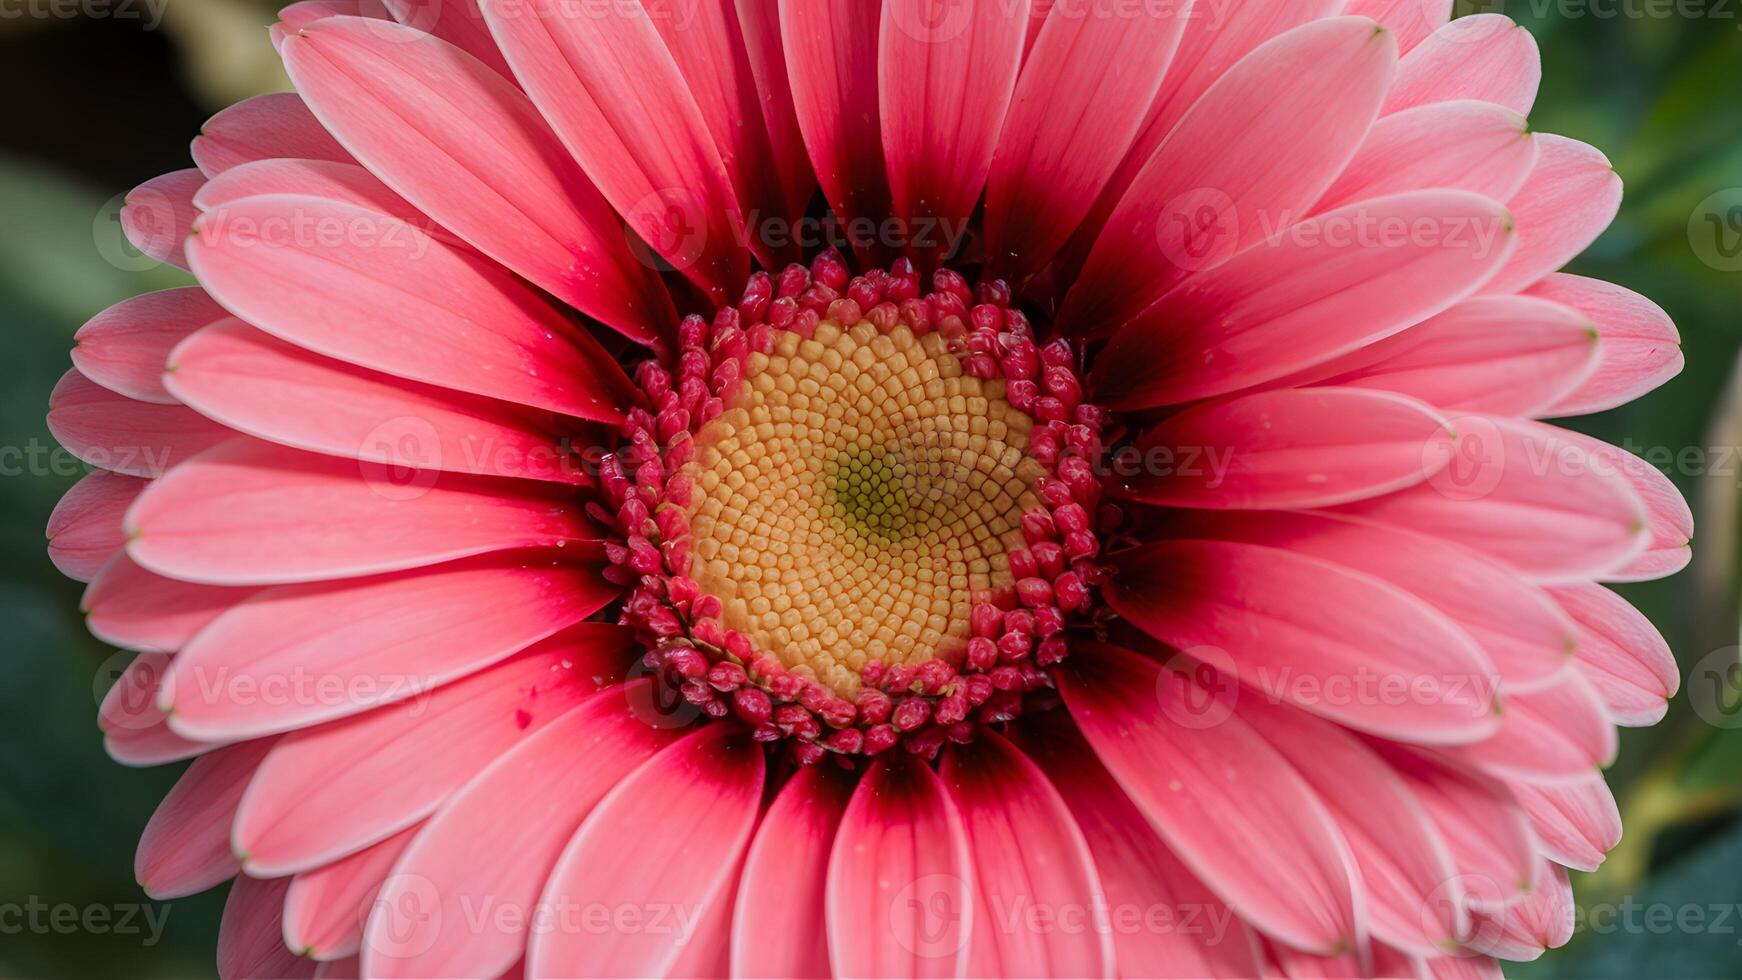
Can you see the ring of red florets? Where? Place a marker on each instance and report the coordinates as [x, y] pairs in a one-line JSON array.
[[1016, 632]]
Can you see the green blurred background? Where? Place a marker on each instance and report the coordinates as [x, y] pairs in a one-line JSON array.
[[102, 94]]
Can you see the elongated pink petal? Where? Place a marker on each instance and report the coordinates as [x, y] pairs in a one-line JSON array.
[[255, 383], [617, 99], [470, 858], [1212, 189], [1028, 857], [1463, 145], [1210, 46], [1322, 288], [708, 44], [692, 808], [1095, 72], [249, 514], [251, 933], [155, 745], [831, 58], [1640, 348], [115, 433], [185, 848], [376, 641], [1138, 871], [898, 898], [1245, 608], [759, 20], [1233, 809], [134, 729], [326, 907], [1480, 821], [379, 293], [944, 83], [327, 792], [346, 183], [1503, 355], [1528, 494], [1402, 862], [1544, 920], [1411, 20], [131, 607], [464, 144], [1463, 966], [159, 213], [1483, 56], [1576, 824], [264, 127], [1557, 732], [1670, 521], [1621, 653], [1527, 636], [84, 530], [458, 22], [124, 347], [779, 928], [1290, 448], [1570, 197]]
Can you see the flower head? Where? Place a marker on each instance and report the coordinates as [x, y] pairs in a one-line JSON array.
[[903, 488]]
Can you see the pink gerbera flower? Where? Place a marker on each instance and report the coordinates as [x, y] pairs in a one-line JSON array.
[[1107, 530]]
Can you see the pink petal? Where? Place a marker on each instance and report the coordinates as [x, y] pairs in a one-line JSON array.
[[1030, 860], [831, 58], [618, 101], [1480, 822], [1202, 937], [1411, 20], [249, 514], [1528, 494], [1524, 632], [1640, 348], [264, 127], [115, 433], [185, 848], [898, 899], [1290, 448], [1501, 355], [255, 383], [1302, 629], [1553, 733], [84, 530], [1210, 46], [1621, 654], [325, 908], [1576, 824], [1483, 56], [329, 791], [466, 146], [708, 44], [1463, 145], [778, 927], [692, 809], [378, 640], [124, 347], [134, 730], [1666, 512], [1570, 197], [251, 935], [131, 607], [944, 84], [759, 20], [471, 859], [1543, 920], [1215, 186], [458, 22], [1314, 292], [1403, 864], [393, 299], [1233, 809], [346, 183], [1091, 73], [159, 213], [1463, 965]]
